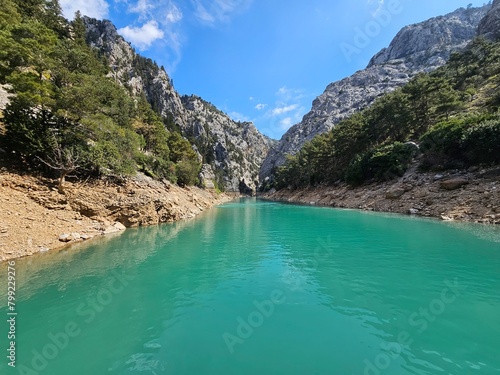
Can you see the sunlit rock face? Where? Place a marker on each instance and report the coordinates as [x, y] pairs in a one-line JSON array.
[[422, 47], [232, 151]]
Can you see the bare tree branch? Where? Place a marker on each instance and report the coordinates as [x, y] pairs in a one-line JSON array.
[[64, 160]]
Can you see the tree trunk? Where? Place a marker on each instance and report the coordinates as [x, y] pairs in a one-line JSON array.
[[62, 178]]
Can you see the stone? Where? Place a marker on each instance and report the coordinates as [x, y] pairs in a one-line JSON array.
[[413, 211], [65, 237], [453, 184], [75, 236], [119, 226], [491, 174], [394, 194], [207, 177], [111, 229]]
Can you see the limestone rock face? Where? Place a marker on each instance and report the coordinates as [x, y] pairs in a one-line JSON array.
[[416, 48], [489, 26], [233, 150], [427, 45]]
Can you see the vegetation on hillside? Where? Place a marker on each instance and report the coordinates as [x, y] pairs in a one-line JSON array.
[[66, 115], [451, 116]]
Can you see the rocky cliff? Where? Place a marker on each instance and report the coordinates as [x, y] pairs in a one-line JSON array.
[[232, 152], [489, 26], [416, 48]]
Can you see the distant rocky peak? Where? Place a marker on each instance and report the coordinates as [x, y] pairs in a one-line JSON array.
[[489, 26], [417, 48], [430, 42]]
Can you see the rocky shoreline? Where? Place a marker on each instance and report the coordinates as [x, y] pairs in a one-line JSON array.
[[37, 218], [468, 196]]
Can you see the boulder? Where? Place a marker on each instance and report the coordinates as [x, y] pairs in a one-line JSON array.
[[65, 237], [111, 229], [119, 226], [395, 194], [453, 184]]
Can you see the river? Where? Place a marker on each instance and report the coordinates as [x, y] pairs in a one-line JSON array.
[[254, 287]]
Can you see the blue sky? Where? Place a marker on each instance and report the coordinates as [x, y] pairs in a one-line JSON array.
[[257, 60]]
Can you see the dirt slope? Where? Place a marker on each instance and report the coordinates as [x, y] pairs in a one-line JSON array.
[[37, 218]]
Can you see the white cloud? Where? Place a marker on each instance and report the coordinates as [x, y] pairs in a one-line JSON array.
[[142, 37], [260, 106], [174, 14], [92, 8], [203, 14], [210, 12], [286, 94], [142, 7], [282, 110], [236, 116], [164, 12], [377, 5], [286, 123], [283, 91]]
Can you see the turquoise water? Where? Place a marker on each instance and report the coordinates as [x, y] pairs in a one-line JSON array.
[[264, 288]]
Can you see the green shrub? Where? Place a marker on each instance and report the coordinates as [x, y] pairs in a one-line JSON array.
[[481, 143], [382, 163], [157, 168], [113, 149], [461, 141], [187, 171], [354, 174], [444, 138]]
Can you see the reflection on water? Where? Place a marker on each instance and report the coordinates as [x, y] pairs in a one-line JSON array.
[[486, 232], [259, 287]]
